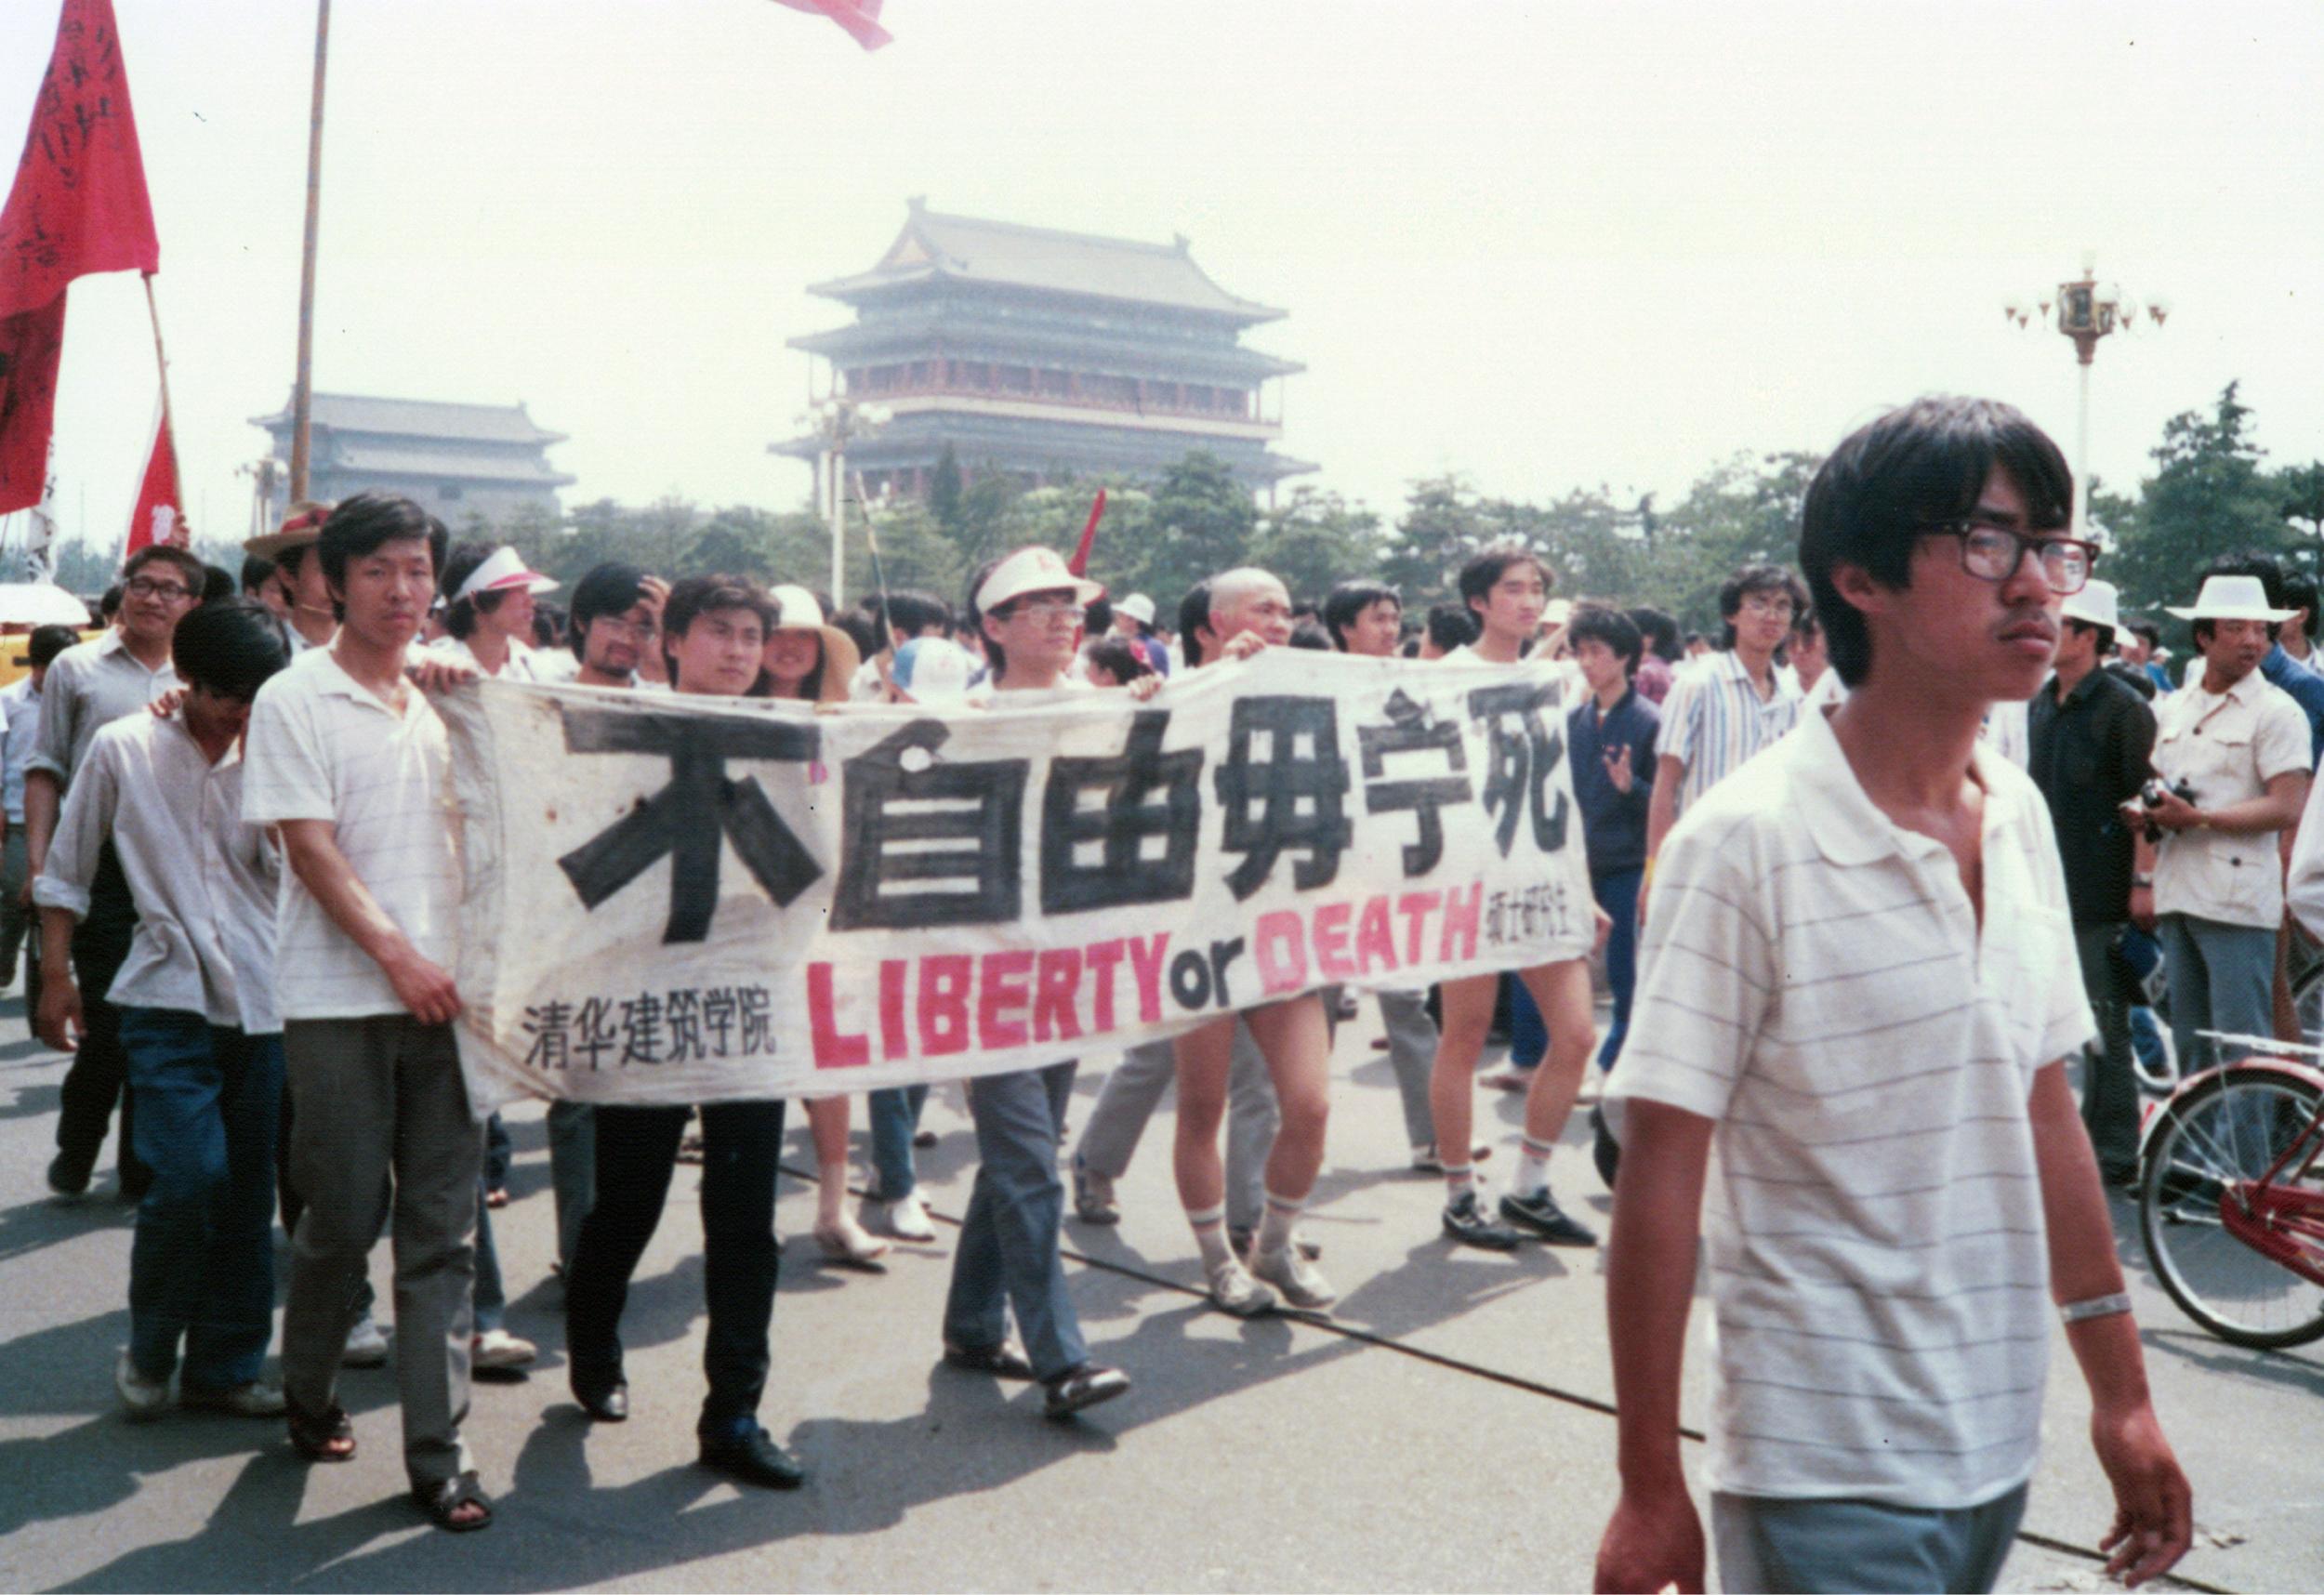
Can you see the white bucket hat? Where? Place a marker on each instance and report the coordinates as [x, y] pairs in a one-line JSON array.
[[1034, 570], [1139, 607], [2097, 604], [2232, 598]]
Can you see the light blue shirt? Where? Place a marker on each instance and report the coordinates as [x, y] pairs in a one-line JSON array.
[[21, 705]]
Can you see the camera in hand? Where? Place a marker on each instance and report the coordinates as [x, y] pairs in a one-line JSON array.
[[2152, 796]]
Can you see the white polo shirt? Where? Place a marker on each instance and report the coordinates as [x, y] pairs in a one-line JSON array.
[[2227, 747], [1713, 720], [1815, 979], [323, 747]]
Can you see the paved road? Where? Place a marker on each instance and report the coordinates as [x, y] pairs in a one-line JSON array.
[[1451, 1432]]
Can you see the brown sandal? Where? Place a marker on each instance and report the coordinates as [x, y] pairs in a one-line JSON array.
[[319, 1436]]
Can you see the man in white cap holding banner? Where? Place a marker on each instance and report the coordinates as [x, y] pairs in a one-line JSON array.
[[2090, 735], [2232, 754]]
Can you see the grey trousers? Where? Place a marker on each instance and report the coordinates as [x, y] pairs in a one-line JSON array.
[[1412, 1054], [2223, 977], [382, 1135], [1770, 1544], [1134, 1089]]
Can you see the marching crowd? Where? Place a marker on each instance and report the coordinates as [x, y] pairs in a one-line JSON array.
[[1869, 868]]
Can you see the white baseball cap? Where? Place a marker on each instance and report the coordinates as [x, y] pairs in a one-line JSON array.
[[1034, 570], [1139, 607], [2097, 604], [504, 572]]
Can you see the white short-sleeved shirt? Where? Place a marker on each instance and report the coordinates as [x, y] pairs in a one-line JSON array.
[[2227, 747], [1815, 979], [523, 664], [88, 687], [323, 747], [204, 878], [1714, 722]]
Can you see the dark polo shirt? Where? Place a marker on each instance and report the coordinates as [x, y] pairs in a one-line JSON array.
[[2089, 755], [1613, 822]]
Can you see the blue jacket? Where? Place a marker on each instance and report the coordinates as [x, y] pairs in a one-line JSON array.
[[1613, 822], [2307, 691]]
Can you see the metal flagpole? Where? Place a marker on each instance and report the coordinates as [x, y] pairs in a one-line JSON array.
[[302, 388]]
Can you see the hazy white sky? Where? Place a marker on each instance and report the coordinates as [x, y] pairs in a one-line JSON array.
[[1550, 245]]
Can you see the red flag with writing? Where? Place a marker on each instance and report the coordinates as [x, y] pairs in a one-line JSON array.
[[79, 206], [158, 517], [860, 18]]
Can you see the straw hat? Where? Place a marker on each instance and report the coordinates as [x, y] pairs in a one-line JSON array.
[[302, 523], [796, 610]]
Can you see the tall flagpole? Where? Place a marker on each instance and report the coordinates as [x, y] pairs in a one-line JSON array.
[[302, 390]]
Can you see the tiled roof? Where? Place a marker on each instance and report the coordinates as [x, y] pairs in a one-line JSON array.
[[938, 247], [417, 418], [417, 459]]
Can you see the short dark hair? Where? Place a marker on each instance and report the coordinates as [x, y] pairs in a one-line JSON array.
[[2300, 593], [47, 643], [1348, 601], [693, 597], [369, 522], [1194, 614], [611, 588], [1603, 624], [1807, 622], [2146, 631], [1097, 616], [1451, 626], [1658, 631], [1119, 658], [1309, 633], [109, 602], [197, 574], [1756, 579], [287, 560], [1487, 565], [256, 570], [459, 564], [861, 625], [218, 585], [230, 648], [909, 612], [1895, 478]]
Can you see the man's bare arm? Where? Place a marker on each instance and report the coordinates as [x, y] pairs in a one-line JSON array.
[[43, 792], [2154, 1507], [1655, 1537], [425, 988]]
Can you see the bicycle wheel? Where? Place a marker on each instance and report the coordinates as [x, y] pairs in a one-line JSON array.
[[2229, 1128]]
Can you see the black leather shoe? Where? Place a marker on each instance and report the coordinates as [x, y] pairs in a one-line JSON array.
[[753, 1457], [1084, 1387], [1005, 1361], [604, 1404]]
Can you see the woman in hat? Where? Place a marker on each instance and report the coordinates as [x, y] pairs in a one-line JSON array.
[[807, 659], [488, 613]]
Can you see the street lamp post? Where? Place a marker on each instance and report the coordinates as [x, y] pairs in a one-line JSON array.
[[840, 421], [2084, 310]]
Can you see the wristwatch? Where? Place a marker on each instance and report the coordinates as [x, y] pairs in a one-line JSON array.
[[2142, 880]]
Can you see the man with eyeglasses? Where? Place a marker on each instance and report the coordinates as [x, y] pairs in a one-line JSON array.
[[1726, 706], [1859, 988], [88, 687]]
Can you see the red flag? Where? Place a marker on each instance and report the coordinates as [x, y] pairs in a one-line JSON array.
[[860, 18], [1079, 563], [79, 206], [158, 517], [30, 344]]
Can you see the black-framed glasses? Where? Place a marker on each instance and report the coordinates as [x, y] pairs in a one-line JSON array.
[[146, 586], [1993, 553]]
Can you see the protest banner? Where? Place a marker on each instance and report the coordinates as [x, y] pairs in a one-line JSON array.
[[691, 899]]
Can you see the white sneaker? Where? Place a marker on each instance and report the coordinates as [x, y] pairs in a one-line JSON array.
[[1233, 1290], [366, 1344], [1301, 1283], [141, 1398], [498, 1348], [904, 1219]]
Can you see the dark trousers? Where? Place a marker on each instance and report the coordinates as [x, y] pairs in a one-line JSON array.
[[2110, 1092], [636, 1149], [100, 1074]]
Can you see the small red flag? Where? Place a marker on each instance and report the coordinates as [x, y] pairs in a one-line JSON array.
[[79, 206], [860, 18], [158, 517]]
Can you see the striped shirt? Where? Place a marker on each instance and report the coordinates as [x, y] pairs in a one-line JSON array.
[[1815, 981], [1714, 720], [322, 746]]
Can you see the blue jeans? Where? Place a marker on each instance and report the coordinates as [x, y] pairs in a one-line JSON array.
[[201, 1266], [1006, 1255], [895, 1115], [1617, 892], [1767, 1543]]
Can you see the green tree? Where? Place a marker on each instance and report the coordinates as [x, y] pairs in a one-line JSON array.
[[1316, 540], [2208, 496], [1201, 521], [946, 493], [1744, 511], [1443, 523], [2301, 488]]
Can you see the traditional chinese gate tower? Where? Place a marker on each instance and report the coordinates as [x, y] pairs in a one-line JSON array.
[[1045, 353]]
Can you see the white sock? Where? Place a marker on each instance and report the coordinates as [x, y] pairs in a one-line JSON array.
[[1533, 1167], [1275, 1229], [1210, 1226], [1459, 1180]]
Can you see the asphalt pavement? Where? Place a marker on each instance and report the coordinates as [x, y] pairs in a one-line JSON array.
[[1450, 1429]]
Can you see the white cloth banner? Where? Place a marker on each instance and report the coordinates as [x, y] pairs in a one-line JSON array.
[[676, 899]]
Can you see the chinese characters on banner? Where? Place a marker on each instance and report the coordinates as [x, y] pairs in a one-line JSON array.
[[684, 900]]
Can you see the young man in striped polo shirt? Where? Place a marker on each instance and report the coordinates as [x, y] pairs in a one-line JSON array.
[[1860, 985]]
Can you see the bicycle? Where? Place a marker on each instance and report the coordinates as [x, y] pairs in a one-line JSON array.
[[2231, 1197]]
